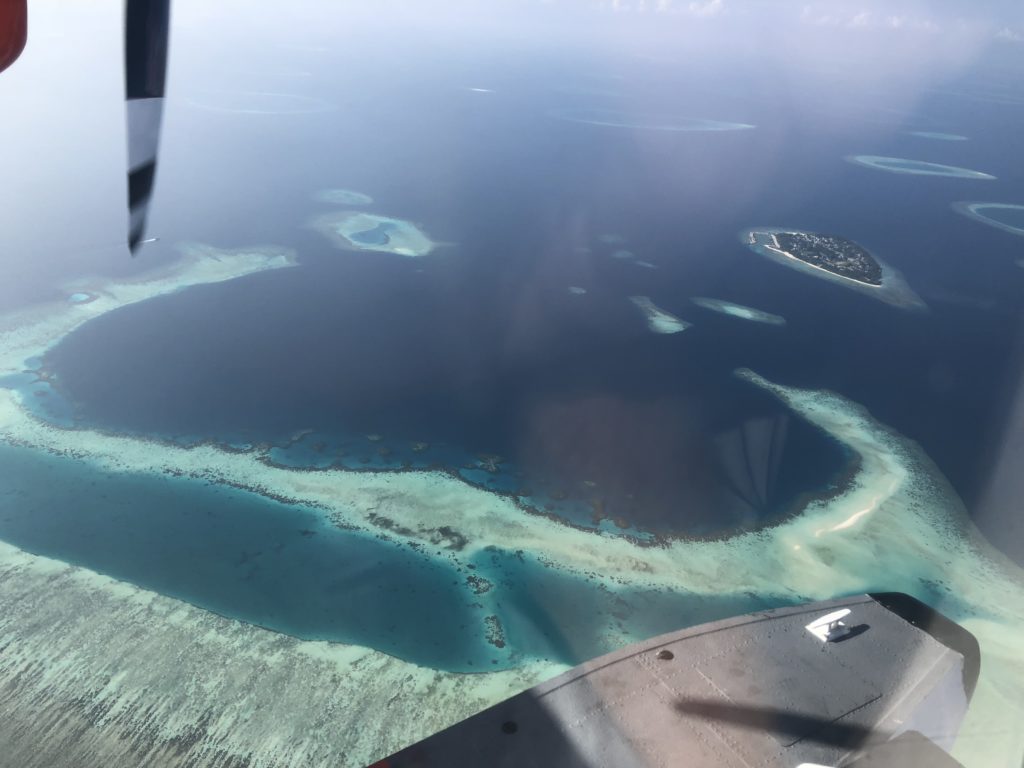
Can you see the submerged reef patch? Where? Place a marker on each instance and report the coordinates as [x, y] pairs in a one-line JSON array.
[[916, 167], [195, 688], [360, 231], [738, 310], [938, 136], [658, 320]]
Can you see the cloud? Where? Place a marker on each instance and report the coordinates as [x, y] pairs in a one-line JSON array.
[[863, 18], [1008, 35], [706, 8]]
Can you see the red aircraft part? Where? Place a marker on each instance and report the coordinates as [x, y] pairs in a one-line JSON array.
[[13, 30]]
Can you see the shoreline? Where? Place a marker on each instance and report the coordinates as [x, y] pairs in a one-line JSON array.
[[776, 248]]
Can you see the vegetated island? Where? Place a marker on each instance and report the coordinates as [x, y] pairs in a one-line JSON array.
[[829, 252], [834, 258]]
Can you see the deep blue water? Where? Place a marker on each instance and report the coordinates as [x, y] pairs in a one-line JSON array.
[[478, 361]]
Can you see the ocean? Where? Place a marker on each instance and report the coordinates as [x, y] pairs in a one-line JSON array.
[[476, 360]]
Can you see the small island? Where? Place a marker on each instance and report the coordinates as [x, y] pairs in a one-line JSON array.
[[829, 252], [836, 259]]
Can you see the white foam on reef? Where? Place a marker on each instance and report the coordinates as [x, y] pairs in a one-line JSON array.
[[658, 320], [916, 167], [32, 331], [576, 290], [403, 238], [342, 197], [893, 290], [938, 136], [613, 118], [143, 668], [738, 310], [974, 211]]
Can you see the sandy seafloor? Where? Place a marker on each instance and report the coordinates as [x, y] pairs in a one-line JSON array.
[[116, 674]]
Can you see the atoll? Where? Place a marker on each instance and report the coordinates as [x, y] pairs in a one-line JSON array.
[[916, 167], [356, 230], [1005, 216]]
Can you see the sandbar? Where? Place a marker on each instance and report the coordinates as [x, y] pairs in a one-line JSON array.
[[894, 289], [977, 211], [360, 231], [916, 167], [658, 320], [738, 310]]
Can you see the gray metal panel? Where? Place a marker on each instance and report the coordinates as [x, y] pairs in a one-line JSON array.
[[757, 690]]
